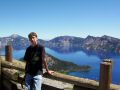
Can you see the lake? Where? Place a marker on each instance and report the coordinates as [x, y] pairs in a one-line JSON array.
[[81, 58]]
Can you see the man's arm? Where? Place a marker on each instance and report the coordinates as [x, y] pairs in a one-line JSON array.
[[45, 62]]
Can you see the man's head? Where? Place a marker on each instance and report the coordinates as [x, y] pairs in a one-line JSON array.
[[33, 38], [32, 34]]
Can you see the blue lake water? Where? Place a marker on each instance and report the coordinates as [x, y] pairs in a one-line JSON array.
[[81, 58]]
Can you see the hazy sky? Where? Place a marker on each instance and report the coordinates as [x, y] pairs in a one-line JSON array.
[[51, 18]]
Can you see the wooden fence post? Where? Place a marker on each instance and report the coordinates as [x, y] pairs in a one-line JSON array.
[[105, 75], [8, 53]]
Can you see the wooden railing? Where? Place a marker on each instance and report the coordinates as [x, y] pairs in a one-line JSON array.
[[12, 69]]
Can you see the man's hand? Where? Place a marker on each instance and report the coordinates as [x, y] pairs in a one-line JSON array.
[[50, 72]]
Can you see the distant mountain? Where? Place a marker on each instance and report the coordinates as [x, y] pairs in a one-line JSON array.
[[99, 45], [17, 41], [104, 44], [65, 41]]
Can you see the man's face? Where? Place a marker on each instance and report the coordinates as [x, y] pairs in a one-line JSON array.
[[33, 40]]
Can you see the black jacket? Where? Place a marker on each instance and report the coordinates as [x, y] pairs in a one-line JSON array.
[[34, 59]]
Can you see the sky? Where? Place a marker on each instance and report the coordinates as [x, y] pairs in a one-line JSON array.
[[52, 18]]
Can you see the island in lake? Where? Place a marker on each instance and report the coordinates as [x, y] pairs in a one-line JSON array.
[[64, 66]]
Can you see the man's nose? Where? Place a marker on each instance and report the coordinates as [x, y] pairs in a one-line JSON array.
[[32, 39]]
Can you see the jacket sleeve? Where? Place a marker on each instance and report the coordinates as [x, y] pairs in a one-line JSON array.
[[26, 55]]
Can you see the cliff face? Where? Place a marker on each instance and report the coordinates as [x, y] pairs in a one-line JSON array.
[[65, 41], [104, 44]]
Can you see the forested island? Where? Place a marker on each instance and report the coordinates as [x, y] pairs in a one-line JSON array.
[[64, 66]]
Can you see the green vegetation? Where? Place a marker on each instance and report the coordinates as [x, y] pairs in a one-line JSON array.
[[64, 66]]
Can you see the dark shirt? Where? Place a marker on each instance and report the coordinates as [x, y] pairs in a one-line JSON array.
[[34, 57]]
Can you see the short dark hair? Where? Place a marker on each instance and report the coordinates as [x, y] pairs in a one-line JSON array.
[[32, 34]]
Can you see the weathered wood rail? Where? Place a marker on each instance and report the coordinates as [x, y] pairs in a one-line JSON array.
[[10, 71]]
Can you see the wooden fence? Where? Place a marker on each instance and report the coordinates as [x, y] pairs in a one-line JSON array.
[[13, 70]]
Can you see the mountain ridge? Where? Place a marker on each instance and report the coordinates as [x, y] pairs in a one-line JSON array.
[[104, 44]]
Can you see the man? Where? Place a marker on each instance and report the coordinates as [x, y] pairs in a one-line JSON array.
[[35, 58]]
